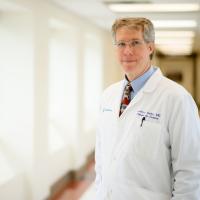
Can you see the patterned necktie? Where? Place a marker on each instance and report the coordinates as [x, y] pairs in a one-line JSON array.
[[126, 98]]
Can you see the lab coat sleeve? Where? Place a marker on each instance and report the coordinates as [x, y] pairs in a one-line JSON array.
[[184, 130]]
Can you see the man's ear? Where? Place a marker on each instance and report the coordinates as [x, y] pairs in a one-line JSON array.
[[151, 46]]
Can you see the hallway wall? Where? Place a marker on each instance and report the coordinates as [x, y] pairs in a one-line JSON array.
[[48, 55]]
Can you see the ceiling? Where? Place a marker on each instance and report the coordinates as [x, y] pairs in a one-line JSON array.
[[98, 12]]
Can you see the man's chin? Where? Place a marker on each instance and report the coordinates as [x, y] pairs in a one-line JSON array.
[[129, 68]]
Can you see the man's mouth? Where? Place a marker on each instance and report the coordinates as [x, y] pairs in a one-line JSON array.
[[128, 61]]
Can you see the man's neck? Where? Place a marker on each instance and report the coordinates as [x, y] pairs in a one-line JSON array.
[[132, 77]]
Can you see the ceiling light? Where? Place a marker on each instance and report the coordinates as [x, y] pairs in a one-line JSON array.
[[157, 7], [174, 23], [177, 34], [174, 41]]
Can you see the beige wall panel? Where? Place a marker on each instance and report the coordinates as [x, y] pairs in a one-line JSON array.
[[181, 69]]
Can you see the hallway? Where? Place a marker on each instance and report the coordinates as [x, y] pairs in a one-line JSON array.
[[57, 57]]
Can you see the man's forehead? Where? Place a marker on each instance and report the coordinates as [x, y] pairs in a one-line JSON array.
[[131, 28], [128, 30], [129, 33]]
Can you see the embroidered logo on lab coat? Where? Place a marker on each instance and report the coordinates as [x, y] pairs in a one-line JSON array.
[[107, 110]]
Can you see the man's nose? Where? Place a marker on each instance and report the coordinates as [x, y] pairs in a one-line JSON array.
[[128, 49]]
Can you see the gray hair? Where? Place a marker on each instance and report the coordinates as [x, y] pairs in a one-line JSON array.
[[137, 24]]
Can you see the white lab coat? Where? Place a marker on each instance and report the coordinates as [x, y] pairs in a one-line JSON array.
[[157, 159]]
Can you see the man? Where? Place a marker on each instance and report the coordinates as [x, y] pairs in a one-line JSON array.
[[148, 136]]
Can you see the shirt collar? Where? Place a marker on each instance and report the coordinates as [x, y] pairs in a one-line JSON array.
[[139, 82]]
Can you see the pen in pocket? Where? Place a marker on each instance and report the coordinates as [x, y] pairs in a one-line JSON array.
[[142, 121]]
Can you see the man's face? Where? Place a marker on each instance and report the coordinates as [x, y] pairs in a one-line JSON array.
[[133, 52]]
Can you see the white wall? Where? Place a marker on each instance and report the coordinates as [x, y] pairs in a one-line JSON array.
[[112, 71], [16, 99]]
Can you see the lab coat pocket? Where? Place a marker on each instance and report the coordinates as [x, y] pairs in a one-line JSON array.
[[147, 140]]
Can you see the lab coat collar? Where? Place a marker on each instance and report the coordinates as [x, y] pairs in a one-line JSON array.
[[140, 81], [153, 81]]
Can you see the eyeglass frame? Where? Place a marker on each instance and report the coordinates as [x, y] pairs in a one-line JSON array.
[[133, 44]]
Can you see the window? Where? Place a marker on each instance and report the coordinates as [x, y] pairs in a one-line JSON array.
[[62, 87], [92, 81]]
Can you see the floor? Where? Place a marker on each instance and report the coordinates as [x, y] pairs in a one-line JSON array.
[[89, 194], [82, 189]]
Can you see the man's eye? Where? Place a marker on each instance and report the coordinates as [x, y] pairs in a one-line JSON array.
[[135, 43], [121, 44]]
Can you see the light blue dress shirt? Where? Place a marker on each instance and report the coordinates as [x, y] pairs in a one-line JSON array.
[[139, 82]]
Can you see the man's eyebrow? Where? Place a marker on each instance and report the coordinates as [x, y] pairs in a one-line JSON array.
[[128, 40]]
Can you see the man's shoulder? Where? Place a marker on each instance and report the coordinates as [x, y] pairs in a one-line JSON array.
[[173, 86], [174, 89]]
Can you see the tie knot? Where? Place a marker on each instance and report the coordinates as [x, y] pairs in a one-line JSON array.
[[128, 87]]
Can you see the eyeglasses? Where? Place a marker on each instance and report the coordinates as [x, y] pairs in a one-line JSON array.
[[133, 44]]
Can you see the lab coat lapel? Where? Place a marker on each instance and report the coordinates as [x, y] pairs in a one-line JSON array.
[[150, 86], [153, 81]]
